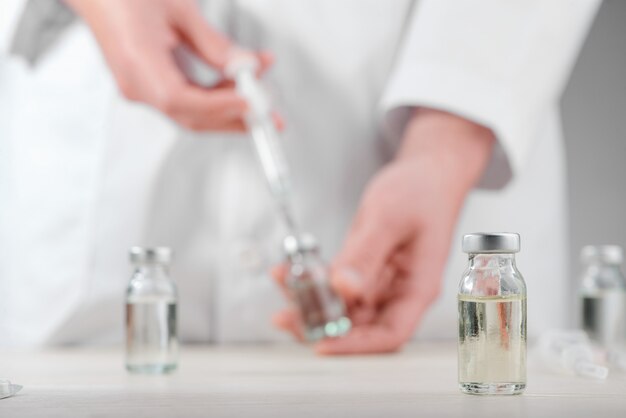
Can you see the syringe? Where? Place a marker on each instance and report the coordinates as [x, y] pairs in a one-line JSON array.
[[8, 389], [571, 352], [243, 68]]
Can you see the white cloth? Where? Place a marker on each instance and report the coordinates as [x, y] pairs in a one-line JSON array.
[[86, 174]]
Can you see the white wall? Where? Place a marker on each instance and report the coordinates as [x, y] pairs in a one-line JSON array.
[[594, 114]]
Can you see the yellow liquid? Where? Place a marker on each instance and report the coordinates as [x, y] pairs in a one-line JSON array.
[[492, 344]]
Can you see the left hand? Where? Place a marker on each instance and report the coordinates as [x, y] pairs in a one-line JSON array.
[[392, 262], [138, 39]]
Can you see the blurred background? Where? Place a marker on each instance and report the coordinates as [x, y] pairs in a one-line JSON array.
[[594, 116], [594, 119]]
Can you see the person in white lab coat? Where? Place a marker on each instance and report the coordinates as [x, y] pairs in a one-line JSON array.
[[407, 124]]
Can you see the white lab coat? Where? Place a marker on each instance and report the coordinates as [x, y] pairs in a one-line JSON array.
[[85, 174]]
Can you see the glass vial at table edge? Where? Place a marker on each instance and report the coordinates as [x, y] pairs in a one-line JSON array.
[[492, 317], [151, 313], [322, 311], [602, 296]]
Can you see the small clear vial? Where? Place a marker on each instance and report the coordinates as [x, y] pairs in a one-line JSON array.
[[151, 298], [322, 310], [602, 295], [492, 317]]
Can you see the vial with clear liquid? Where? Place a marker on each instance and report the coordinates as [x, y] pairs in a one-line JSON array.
[[151, 298], [603, 296], [492, 317], [321, 309]]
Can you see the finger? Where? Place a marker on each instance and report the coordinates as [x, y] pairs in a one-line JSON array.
[[380, 286], [221, 102], [365, 339], [429, 257], [394, 326], [279, 122], [206, 42], [289, 320], [361, 314], [209, 44], [208, 109], [364, 255], [402, 314], [413, 291], [279, 274], [224, 83], [231, 112], [396, 321], [266, 59], [157, 81], [226, 127], [348, 283]]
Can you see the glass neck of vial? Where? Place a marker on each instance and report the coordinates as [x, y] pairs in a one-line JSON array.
[[301, 256], [152, 271], [491, 260], [600, 264], [608, 273], [595, 267], [297, 258]]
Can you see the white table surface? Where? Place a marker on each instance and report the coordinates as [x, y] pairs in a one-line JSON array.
[[286, 380]]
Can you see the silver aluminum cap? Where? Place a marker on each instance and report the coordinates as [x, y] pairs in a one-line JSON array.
[[157, 255], [491, 243], [610, 254], [293, 245]]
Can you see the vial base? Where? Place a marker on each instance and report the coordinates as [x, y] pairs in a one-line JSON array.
[[151, 368], [492, 345], [474, 388], [332, 329], [151, 343]]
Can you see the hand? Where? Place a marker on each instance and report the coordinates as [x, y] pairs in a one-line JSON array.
[[138, 38], [392, 262]]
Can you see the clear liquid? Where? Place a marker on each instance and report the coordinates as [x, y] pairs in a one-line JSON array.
[[151, 341], [321, 310], [492, 345], [604, 317]]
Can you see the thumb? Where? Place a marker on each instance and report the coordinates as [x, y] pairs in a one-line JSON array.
[[363, 260], [209, 44]]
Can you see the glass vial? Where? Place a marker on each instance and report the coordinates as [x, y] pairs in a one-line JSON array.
[[321, 309], [151, 297], [603, 296], [492, 317]]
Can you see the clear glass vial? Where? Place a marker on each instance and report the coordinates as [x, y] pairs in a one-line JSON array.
[[151, 298], [602, 295], [322, 310], [492, 317]]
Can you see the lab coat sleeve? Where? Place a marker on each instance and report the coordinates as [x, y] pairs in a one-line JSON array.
[[41, 25], [500, 63]]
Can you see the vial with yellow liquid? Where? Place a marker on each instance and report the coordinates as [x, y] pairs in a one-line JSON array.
[[492, 317]]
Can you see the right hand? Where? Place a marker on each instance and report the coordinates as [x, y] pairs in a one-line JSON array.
[[138, 38], [392, 264]]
